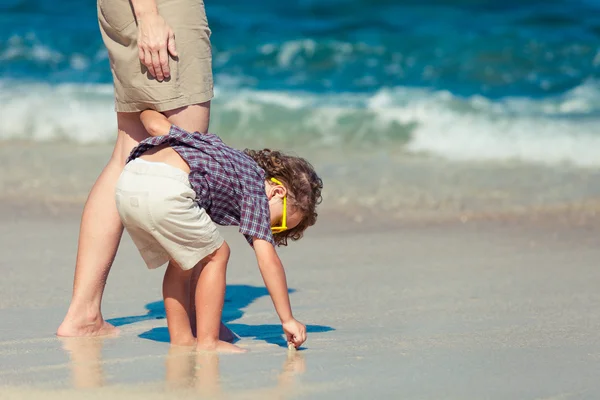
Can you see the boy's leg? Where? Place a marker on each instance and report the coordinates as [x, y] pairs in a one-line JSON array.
[[176, 297], [225, 334], [210, 295]]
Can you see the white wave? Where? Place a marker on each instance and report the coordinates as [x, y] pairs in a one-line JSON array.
[[29, 47], [551, 131], [297, 53], [526, 139], [42, 112], [37, 51]]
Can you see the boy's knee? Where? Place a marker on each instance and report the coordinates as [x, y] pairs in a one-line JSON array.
[[221, 255], [223, 252]]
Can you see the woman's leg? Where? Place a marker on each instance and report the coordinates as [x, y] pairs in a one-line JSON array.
[[99, 237], [192, 118], [101, 228]]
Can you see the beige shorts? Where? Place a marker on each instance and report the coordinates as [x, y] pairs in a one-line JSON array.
[[191, 80], [158, 209]]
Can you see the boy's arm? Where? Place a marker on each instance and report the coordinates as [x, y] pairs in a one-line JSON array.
[[155, 123], [273, 275]]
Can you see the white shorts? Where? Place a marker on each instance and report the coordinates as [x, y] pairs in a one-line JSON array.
[[158, 209]]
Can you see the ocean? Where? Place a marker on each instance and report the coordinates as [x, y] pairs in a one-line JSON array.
[[463, 80]]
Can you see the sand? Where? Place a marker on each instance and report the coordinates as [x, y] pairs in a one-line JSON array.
[[456, 304]]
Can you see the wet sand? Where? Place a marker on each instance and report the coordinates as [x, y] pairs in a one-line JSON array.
[[439, 302], [486, 309]]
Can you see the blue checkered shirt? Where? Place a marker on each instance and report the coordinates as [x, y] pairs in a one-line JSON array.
[[229, 184]]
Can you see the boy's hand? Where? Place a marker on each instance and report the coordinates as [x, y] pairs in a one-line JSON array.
[[156, 124], [295, 332]]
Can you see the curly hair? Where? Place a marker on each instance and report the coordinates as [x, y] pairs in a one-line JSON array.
[[302, 183]]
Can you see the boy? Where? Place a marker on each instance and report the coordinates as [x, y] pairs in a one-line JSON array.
[[174, 189]]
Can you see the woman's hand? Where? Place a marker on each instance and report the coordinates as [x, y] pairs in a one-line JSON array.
[[156, 41]]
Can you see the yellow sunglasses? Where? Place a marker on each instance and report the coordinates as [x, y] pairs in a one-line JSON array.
[[283, 227]]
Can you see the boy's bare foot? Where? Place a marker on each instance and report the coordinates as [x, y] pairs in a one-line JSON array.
[[225, 334], [220, 347], [88, 327], [183, 340]]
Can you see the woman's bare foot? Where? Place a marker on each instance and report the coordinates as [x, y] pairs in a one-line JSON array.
[[219, 347], [86, 327]]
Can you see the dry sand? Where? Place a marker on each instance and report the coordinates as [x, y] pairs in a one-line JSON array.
[[466, 306]]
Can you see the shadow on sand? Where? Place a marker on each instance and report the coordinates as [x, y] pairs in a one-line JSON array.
[[237, 298]]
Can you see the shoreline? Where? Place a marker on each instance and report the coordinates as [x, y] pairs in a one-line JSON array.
[[366, 187]]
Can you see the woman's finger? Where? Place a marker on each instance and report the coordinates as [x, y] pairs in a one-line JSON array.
[[156, 65], [163, 57], [141, 55], [148, 62], [171, 44]]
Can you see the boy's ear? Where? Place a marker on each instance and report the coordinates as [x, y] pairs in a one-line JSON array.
[[276, 191], [280, 191]]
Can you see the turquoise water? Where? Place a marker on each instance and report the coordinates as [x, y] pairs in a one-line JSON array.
[[461, 79]]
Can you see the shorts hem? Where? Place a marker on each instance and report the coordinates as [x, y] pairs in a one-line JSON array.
[[157, 262], [167, 105]]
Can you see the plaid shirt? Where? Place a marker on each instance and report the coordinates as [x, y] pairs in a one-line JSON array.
[[229, 184]]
